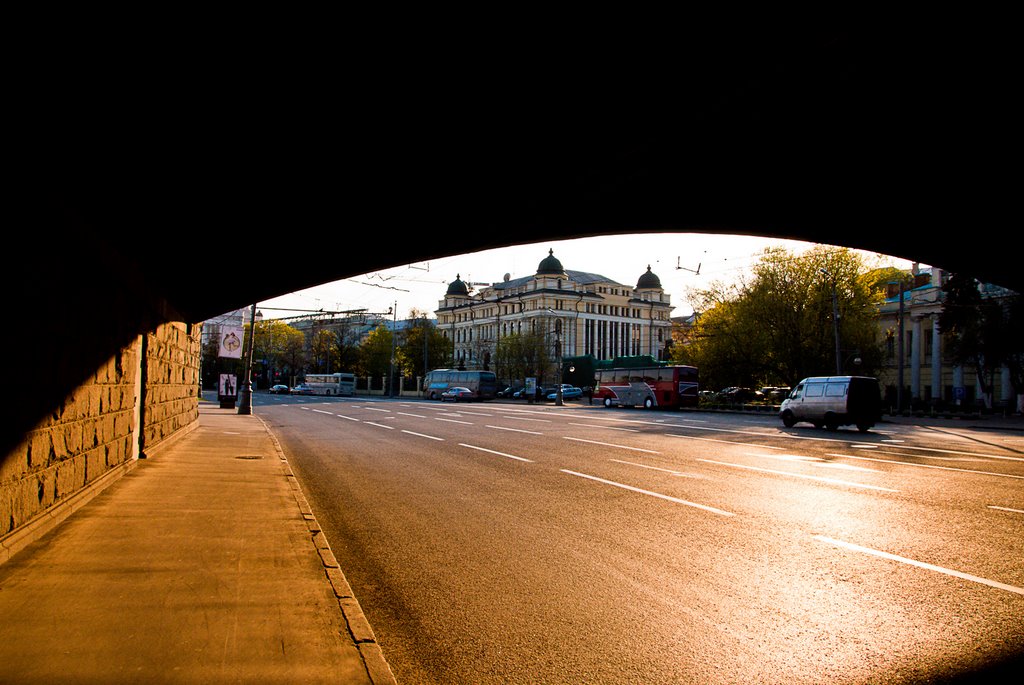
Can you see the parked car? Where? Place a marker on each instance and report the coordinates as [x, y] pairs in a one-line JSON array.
[[738, 395], [775, 393], [457, 394], [569, 392], [302, 389], [280, 389]]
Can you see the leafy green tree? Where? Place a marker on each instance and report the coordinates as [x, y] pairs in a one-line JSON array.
[[778, 326], [424, 346], [322, 350], [279, 346], [521, 355], [375, 353]]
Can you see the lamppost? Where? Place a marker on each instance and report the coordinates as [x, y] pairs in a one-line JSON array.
[[558, 351], [245, 395], [391, 367], [835, 325]]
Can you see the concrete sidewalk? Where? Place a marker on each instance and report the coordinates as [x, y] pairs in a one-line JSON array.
[[203, 563]]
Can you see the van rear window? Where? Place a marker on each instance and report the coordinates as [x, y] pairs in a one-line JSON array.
[[835, 390]]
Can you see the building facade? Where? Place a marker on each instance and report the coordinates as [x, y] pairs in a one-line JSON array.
[[916, 350], [577, 312]]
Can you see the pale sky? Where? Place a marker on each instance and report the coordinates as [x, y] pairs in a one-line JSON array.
[[673, 257]]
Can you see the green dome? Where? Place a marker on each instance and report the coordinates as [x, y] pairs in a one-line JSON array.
[[550, 266], [458, 287], [648, 281]]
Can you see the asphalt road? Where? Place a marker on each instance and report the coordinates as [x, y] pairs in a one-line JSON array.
[[514, 543]]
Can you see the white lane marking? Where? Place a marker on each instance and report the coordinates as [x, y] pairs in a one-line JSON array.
[[655, 468], [921, 564], [342, 416], [523, 418], [423, 436], [608, 444], [831, 481], [321, 411], [388, 411], [514, 430], [474, 413], [813, 461], [500, 454], [379, 425], [669, 498], [418, 416], [966, 454], [465, 423], [726, 442], [1015, 511], [608, 428], [928, 466]]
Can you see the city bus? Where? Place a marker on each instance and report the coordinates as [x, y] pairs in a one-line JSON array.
[[484, 384], [342, 384], [665, 387]]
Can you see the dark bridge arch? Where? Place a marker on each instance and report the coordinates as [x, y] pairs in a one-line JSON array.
[[881, 143]]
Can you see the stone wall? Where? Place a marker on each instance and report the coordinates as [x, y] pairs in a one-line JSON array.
[[93, 434], [172, 375]]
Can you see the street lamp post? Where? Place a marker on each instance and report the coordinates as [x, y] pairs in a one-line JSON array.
[[835, 325], [558, 349], [391, 367], [245, 395]]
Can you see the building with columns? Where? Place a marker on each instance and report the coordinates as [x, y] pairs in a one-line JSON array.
[[579, 313], [929, 376]]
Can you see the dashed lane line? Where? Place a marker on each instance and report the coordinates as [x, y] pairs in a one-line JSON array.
[[920, 564], [669, 498], [608, 444], [422, 435], [500, 454], [820, 479]]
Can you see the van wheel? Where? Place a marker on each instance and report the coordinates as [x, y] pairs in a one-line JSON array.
[[863, 427], [648, 403], [788, 420], [608, 402], [433, 395], [831, 423]]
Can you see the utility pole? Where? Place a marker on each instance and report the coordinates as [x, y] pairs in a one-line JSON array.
[[835, 324], [245, 396], [394, 332]]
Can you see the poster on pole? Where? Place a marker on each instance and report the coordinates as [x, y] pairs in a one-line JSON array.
[[231, 342]]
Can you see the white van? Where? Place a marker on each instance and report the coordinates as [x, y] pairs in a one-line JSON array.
[[833, 401]]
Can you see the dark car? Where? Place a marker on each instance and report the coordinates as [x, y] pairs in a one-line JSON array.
[[302, 389], [738, 395], [280, 389], [457, 394]]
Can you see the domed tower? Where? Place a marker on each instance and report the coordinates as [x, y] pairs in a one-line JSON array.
[[458, 293], [649, 281], [551, 267], [457, 288]]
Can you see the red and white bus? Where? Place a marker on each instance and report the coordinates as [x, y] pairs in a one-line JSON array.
[[665, 387]]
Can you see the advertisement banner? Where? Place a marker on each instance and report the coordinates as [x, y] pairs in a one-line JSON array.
[[231, 342], [228, 385]]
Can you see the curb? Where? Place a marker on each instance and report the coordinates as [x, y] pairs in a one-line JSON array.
[[358, 626]]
